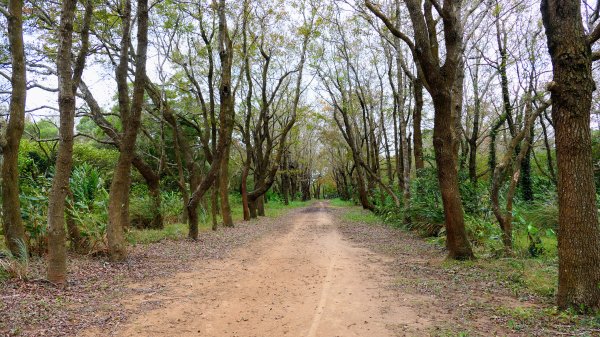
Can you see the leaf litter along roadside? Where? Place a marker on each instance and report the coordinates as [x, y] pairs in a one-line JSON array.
[[460, 298], [96, 287]]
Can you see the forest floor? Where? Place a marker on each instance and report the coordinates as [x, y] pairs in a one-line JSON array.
[[309, 272]]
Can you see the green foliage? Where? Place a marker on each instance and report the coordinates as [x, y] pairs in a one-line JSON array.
[[141, 207], [484, 234], [356, 214], [34, 211], [88, 205], [34, 160], [102, 158], [425, 209], [175, 231], [171, 206], [535, 227], [337, 202]]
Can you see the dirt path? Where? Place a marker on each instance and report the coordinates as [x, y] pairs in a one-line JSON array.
[[308, 282]]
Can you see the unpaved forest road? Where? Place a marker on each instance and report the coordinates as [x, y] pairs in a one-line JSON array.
[[308, 282]]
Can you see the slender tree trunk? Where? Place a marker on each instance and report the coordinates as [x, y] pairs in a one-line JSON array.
[[14, 231], [285, 180], [525, 182], [362, 190], [571, 91], [213, 205], [118, 202], [68, 81], [475, 131], [549, 151], [224, 188], [418, 136], [226, 121], [245, 206], [247, 136]]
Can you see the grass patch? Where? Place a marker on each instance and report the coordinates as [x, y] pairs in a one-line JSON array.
[[356, 214], [549, 245], [179, 231], [568, 321], [277, 208], [337, 202], [522, 276], [176, 231]]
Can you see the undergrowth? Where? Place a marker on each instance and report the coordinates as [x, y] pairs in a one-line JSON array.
[[14, 267], [178, 231]]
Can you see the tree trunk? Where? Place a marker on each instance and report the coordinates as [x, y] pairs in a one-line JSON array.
[[14, 232], [68, 81], [245, 206], [226, 121], [192, 209], [224, 188], [571, 91], [418, 136], [118, 202], [444, 144], [363, 197], [285, 180], [260, 205], [252, 209], [442, 81], [213, 205], [525, 182], [472, 141]]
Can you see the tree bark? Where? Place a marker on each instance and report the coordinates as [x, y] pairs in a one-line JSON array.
[[226, 121], [118, 203], [68, 81], [285, 179], [14, 232], [417, 134], [549, 151], [213, 204], [441, 80], [447, 160], [224, 189], [571, 91]]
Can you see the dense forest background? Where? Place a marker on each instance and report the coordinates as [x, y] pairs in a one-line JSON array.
[[123, 120]]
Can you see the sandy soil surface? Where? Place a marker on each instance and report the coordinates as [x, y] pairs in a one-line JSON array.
[[308, 282]]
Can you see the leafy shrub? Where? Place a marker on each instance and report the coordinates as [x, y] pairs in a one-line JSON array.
[[104, 159], [141, 210], [425, 209], [485, 234], [89, 205], [34, 212], [171, 206]]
